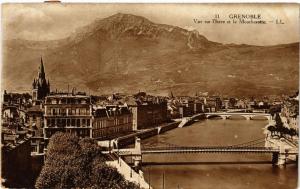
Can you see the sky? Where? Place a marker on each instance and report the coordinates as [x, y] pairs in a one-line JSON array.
[[55, 21]]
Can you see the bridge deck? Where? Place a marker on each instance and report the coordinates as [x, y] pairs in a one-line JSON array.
[[208, 150]]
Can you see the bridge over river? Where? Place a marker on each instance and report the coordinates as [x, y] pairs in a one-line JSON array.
[[279, 155], [247, 116], [225, 115]]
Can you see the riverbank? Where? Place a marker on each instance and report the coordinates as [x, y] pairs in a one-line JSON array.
[[129, 173], [287, 144]]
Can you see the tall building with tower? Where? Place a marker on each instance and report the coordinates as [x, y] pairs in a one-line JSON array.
[[40, 86]]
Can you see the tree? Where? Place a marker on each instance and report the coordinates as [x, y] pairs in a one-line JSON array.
[[78, 163], [293, 132], [278, 121], [275, 109], [272, 129]]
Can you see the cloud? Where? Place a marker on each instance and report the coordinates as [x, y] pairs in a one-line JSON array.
[[24, 22]]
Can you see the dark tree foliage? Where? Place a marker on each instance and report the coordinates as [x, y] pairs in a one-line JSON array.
[[275, 109], [278, 121], [279, 129], [78, 163]]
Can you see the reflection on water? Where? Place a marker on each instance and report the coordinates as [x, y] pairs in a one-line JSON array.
[[208, 172]]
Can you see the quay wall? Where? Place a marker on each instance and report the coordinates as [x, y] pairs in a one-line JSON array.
[[124, 141], [129, 174], [199, 116], [168, 127]]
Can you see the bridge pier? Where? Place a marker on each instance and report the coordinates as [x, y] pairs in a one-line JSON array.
[[137, 159], [280, 158], [113, 144], [275, 158], [158, 130]]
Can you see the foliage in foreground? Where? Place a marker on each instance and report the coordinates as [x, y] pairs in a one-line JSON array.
[[78, 163], [279, 130]]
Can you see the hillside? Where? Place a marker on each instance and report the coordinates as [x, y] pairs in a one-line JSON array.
[[128, 53]]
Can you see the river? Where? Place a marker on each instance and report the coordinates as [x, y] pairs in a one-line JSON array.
[[216, 170]]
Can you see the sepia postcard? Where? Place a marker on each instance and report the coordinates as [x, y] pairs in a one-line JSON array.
[[151, 96]]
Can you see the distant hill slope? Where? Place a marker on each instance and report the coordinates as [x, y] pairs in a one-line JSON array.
[[127, 53]]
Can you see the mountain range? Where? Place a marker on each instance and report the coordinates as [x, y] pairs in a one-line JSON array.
[[127, 53]]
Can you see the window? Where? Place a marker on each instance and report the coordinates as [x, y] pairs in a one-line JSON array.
[[78, 123], [63, 101], [68, 122], [52, 122], [88, 122], [73, 122], [53, 101], [82, 111], [83, 122], [53, 111], [63, 122], [34, 148], [59, 122], [63, 112]]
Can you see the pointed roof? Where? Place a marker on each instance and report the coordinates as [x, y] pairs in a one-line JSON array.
[[171, 94], [42, 66]]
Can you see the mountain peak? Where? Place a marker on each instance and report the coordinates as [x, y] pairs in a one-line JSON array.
[[129, 18], [128, 25]]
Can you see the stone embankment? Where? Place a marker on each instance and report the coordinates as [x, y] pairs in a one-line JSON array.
[[129, 173]]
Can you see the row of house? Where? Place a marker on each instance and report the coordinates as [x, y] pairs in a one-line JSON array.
[[75, 113]]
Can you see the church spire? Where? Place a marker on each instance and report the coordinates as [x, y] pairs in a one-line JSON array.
[[42, 66], [41, 88], [171, 94], [42, 72]]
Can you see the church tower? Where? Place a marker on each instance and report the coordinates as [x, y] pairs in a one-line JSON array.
[[40, 86]]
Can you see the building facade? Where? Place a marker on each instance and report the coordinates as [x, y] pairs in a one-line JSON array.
[[68, 113], [111, 121], [16, 161], [35, 125], [149, 114]]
